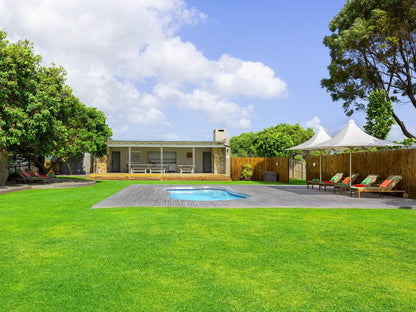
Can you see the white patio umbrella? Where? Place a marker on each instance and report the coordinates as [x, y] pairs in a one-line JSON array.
[[353, 137], [310, 145]]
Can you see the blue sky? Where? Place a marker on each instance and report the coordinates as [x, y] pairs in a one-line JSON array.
[[177, 69]]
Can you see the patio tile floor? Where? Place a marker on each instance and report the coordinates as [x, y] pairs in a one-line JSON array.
[[261, 196]]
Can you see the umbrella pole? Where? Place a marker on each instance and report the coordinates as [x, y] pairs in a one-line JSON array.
[[350, 166], [320, 166]]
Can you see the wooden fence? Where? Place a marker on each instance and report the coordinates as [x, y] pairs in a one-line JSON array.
[[259, 165], [383, 163]]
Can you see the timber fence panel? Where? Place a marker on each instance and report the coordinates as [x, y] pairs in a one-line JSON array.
[[383, 163], [237, 165], [280, 165], [312, 167], [259, 165]]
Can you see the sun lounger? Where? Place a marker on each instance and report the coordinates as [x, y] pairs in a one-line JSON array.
[[345, 182], [312, 183], [26, 177], [387, 186], [335, 179], [45, 178], [369, 180]]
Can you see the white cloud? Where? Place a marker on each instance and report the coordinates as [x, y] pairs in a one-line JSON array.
[[217, 108], [175, 137], [314, 123], [125, 58], [251, 79], [173, 61]]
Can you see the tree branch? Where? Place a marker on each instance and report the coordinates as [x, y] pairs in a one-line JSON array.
[[403, 127]]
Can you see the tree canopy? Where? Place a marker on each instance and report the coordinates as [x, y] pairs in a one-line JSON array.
[[379, 115], [39, 115], [373, 46], [270, 142], [243, 145]]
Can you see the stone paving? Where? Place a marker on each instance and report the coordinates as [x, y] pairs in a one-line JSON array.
[[260, 196]]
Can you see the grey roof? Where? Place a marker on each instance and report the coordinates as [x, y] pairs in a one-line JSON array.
[[165, 144]]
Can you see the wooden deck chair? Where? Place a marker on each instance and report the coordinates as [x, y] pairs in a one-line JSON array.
[[345, 183], [45, 178], [387, 186], [312, 183], [369, 180], [335, 179], [26, 177]]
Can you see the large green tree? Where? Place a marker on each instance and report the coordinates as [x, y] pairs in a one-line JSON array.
[[373, 46], [243, 145], [270, 142], [39, 115], [274, 141]]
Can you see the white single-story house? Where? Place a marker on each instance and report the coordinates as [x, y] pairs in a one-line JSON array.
[[167, 156]]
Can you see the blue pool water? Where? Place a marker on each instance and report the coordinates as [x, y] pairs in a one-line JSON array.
[[204, 194]]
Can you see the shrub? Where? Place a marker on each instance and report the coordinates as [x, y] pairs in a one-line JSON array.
[[246, 172]]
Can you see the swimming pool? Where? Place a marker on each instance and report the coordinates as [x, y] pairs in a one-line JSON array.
[[204, 194]]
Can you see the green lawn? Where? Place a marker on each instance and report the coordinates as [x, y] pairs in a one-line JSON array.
[[56, 254]]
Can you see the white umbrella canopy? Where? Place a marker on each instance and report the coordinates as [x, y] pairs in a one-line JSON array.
[[310, 145], [353, 137], [319, 137]]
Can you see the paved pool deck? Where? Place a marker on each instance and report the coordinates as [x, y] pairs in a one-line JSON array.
[[260, 196]]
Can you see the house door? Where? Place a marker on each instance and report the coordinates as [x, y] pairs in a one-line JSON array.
[[206, 162], [115, 161]]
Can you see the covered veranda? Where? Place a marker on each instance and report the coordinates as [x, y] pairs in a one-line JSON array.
[[153, 159]]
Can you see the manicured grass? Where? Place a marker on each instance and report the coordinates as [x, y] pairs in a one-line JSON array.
[[59, 255], [297, 181]]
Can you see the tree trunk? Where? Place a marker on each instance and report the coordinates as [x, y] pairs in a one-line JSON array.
[[403, 127], [40, 164], [69, 167], [4, 166]]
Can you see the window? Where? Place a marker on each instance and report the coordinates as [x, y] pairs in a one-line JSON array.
[[135, 157], [168, 157]]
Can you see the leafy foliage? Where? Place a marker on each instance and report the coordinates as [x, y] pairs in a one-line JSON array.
[[407, 142], [273, 141], [246, 172], [270, 142], [39, 115], [373, 46], [379, 115], [243, 145]]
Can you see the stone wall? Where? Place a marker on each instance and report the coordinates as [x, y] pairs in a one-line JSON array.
[[218, 159], [101, 165]]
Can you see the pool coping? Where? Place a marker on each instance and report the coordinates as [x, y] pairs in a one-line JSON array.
[[261, 196]]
